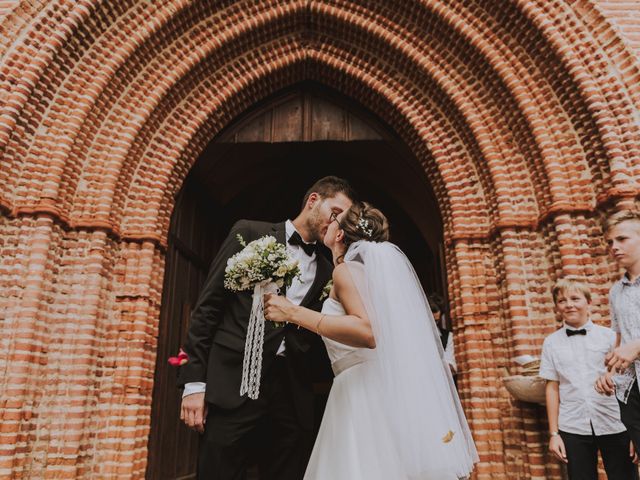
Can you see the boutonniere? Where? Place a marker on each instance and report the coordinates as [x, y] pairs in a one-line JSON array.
[[179, 360], [326, 290]]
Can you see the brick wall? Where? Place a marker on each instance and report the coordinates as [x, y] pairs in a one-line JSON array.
[[524, 115], [625, 16]]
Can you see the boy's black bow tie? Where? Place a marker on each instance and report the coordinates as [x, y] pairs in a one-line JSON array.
[[582, 331], [296, 239]]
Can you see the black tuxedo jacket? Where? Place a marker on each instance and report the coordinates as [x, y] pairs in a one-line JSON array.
[[218, 327]]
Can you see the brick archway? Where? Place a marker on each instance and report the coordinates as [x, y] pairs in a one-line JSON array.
[[524, 128]]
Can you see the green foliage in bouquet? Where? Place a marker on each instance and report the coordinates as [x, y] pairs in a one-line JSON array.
[[261, 261]]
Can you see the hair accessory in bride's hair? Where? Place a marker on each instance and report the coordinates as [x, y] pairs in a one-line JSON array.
[[363, 226]]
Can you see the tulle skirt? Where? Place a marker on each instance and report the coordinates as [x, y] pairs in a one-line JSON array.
[[355, 441]]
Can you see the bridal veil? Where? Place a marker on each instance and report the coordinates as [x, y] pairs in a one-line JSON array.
[[408, 375]]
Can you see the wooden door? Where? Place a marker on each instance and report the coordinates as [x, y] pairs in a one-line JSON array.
[[197, 230]]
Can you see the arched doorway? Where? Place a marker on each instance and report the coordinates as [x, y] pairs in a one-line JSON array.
[[259, 168]]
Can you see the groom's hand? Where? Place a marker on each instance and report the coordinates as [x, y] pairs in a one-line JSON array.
[[193, 411]]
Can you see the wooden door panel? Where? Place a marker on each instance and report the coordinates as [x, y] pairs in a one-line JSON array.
[[193, 239], [301, 117]]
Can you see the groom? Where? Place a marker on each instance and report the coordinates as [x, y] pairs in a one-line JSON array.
[[211, 402]]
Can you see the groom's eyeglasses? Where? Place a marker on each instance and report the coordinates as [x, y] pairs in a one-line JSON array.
[[334, 217]]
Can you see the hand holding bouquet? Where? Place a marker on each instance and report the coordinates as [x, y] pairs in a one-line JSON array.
[[264, 266]]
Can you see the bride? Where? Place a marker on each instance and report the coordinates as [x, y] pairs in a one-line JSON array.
[[393, 411]]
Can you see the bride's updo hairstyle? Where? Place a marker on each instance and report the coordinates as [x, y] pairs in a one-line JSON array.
[[364, 222]]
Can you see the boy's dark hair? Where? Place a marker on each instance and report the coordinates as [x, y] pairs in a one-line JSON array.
[[329, 187]]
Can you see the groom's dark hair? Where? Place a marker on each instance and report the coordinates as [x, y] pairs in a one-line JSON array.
[[329, 187]]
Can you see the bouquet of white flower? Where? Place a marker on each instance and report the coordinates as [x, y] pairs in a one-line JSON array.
[[260, 261], [265, 266]]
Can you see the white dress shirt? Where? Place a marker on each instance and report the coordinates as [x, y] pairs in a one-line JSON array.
[[576, 362], [624, 298], [308, 266], [295, 293]]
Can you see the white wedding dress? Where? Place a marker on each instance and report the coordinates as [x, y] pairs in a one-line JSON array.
[[350, 445], [392, 413]]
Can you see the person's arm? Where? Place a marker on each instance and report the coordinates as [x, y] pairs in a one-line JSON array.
[[353, 328], [611, 363], [604, 384], [622, 356], [549, 371], [556, 445], [207, 314], [204, 322]]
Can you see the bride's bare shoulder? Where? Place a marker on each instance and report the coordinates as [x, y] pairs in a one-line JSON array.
[[342, 273], [339, 272]]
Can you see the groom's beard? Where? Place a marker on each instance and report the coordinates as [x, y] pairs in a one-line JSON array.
[[315, 226]]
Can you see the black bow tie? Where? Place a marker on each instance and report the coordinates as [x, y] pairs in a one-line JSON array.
[[296, 239], [570, 333]]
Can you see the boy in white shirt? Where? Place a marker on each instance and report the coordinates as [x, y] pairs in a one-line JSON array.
[[622, 232], [581, 421]]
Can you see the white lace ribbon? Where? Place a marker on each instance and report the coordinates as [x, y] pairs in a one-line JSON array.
[[252, 363]]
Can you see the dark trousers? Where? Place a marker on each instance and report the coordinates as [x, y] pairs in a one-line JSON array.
[[269, 425], [582, 454], [630, 416]]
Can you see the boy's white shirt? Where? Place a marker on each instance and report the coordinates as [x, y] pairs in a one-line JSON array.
[[576, 362], [624, 298]]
